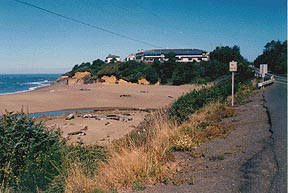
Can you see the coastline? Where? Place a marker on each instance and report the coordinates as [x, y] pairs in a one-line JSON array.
[[57, 97], [21, 83], [103, 99], [24, 91]]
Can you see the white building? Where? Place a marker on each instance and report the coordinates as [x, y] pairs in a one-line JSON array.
[[130, 57], [182, 55], [110, 58]]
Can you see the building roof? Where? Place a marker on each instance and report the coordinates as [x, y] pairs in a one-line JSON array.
[[112, 56], [177, 51]]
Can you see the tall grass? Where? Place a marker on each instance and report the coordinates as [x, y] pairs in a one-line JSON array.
[[145, 156], [203, 125], [131, 162]]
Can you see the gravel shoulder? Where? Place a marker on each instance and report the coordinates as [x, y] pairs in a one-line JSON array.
[[241, 162]]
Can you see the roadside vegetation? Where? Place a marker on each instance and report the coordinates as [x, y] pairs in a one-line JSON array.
[[37, 159], [34, 158], [275, 55]]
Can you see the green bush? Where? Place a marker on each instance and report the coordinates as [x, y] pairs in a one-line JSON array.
[[34, 158], [28, 153], [187, 104], [87, 156], [108, 70], [133, 71]]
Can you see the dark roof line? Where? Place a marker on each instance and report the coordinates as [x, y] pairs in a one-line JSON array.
[[112, 56], [173, 50]]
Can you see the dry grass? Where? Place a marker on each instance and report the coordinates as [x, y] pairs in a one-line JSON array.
[[143, 156], [202, 126], [131, 162], [77, 181]]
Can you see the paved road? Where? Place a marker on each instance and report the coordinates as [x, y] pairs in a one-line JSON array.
[[276, 102]]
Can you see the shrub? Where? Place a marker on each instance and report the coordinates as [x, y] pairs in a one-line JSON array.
[[152, 76], [108, 70], [191, 102], [245, 90], [34, 158], [28, 153], [87, 156], [133, 71]]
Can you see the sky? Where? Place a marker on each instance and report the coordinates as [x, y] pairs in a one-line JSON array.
[[35, 41]]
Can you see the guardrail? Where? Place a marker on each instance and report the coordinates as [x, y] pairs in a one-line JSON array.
[[267, 82]]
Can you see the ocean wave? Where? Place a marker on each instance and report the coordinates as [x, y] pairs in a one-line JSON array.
[[39, 86], [30, 88], [37, 82], [18, 83]]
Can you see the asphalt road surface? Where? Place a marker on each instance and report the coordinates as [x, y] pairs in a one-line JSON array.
[[276, 102]]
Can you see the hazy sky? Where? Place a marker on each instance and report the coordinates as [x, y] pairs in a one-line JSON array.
[[34, 41]]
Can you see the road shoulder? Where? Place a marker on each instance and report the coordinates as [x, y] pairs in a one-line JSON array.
[[241, 162]]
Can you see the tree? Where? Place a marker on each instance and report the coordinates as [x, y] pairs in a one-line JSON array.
[[213, 69], [275, 55], [152, 76], [171, 56], [97, 63], [96, 66], [244, 72], [75, 67], [179, 75], [226, 54], [185, 73], [166, 71]]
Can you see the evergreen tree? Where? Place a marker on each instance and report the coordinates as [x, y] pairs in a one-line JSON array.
[[275, 55]]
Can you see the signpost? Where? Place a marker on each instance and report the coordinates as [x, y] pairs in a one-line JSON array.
[[263, 70], [233, 68]]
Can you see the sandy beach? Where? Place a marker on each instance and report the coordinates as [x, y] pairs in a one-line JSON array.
[[93, 96], [111, 98]]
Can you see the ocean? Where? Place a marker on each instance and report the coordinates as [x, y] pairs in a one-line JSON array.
[[14, 83]]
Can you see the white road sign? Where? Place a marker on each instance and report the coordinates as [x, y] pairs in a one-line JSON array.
[[233, 66]]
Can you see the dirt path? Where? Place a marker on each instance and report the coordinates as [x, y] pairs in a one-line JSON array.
[[242, 162]]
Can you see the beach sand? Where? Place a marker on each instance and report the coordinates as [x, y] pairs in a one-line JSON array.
[[98, 97], [97, 130]]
